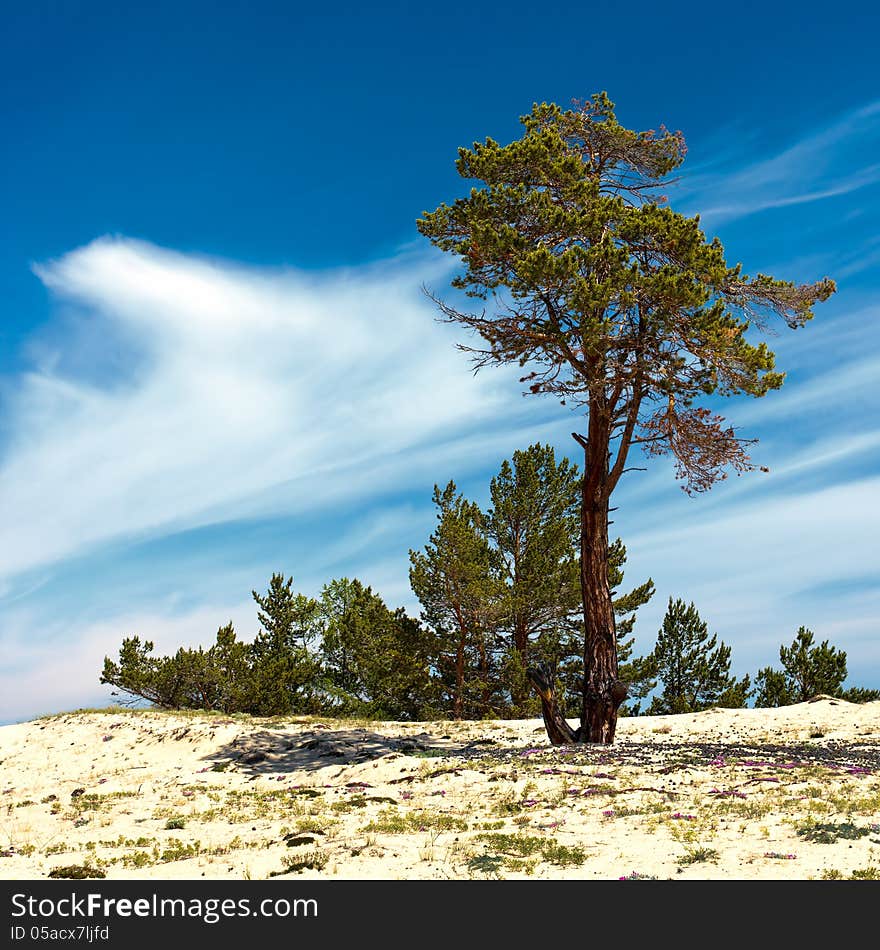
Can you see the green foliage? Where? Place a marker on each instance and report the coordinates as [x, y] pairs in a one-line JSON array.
[[830, 832], [513, 846], [190, 679], [376, 662], [232, 660], [698, 855], [347, 654], [501, 590], [807, 671], [694, 671], [533, 526], [455, 580], [76, 872], [284, 671], [609, 298], [859, 694], [772, 689]]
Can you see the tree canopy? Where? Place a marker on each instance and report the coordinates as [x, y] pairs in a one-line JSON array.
[[619, 306]]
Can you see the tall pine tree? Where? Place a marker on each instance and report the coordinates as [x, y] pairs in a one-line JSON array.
[[285, 671], [619, 307], [533, 526], [455, 580], [693, 670]]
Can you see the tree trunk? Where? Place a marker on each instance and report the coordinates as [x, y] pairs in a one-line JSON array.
[[458, 697], [484, 674], [603, 692], [519, 692], [558, 730]]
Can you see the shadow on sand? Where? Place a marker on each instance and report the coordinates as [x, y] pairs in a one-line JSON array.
[[270, 752]]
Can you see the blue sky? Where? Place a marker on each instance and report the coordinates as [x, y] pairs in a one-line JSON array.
[[216, 360]]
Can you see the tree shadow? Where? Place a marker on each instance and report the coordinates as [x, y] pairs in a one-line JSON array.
[[279, 752]]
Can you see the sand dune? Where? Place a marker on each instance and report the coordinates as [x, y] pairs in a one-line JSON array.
[[766, 794]]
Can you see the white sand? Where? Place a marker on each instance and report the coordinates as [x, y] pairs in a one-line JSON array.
[[719, 794]]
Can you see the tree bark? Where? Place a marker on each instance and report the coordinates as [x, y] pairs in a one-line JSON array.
[[520, 691], [603, 692], [558, 730], [484, 673], [458, 698]]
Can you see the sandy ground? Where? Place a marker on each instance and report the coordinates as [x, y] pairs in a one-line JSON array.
[[763, 794]]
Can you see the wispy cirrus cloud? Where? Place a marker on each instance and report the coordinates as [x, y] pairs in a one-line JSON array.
[[829, 162], [186, 391]]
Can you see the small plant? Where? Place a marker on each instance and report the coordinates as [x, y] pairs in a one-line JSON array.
[[636, 876], [489, 864], [137, 859], [829, 832], [315, 860], [76, 872], [697, 855], [511, 848], [389, 821], [178, 851], [175, 824]]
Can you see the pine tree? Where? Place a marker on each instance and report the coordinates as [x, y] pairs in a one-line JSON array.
[[533, 526], [772, 688], [860, 694], [694, 671], [619, 307], [455, 581], [231, 658], [218, 678], [807, 671], [285, 672], [377, 662]]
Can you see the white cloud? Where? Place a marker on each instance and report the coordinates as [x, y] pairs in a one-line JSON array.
[[758, 569], [58, 671], [229, 385], [827, 163]]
